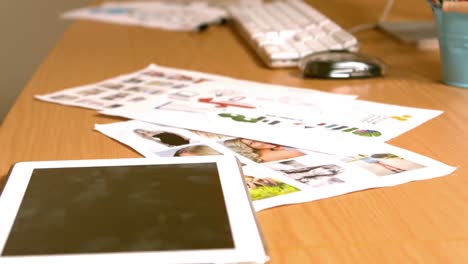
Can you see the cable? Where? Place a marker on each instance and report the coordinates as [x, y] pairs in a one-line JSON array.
[[383, 16]]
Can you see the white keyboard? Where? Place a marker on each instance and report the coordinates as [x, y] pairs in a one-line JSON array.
[[283, 32]]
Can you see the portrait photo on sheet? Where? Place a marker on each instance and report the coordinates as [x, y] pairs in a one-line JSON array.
[[164, 137], [90, 91], [144, 89], [311, 174], [263, 188], [261, 152], [189, 150], [136, 99], [116, 96], [64, 97], [383, 164], [114, 105], [209, 135], [113, 86], [160, 83], [133, 80]]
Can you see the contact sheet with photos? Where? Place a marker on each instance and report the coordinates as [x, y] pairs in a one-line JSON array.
[[278, 175], [178, 90], [217, 104], [123, 90]]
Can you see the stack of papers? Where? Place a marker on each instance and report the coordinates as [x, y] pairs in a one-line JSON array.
[[295, 145], [163, 15]]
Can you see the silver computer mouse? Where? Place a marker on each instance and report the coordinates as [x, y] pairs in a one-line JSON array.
[[340, 64]]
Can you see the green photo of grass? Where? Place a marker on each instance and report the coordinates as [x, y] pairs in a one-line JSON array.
[[263, 192]]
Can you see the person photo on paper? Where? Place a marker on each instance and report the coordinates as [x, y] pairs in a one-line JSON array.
[[196, 150], [262, 188], [314, 175], [383, 164], [163, 137], [261, 152]]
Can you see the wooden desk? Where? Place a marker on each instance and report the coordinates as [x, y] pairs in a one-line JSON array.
[[419, 222]]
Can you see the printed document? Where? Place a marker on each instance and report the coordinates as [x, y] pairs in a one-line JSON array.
[[163, 15], [278, 175], [295, 145]]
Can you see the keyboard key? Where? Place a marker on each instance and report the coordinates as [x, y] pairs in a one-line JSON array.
[[346, 39], [285, 54]]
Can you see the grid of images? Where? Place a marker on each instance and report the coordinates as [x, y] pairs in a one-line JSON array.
[[313, 169], [124, 90], [270, 170]]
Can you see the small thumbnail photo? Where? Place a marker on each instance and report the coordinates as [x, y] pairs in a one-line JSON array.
[[116, 96], [262, 188], [90, 91], [261, 152], [63, 97], [314, 175], [169, 139], [133, 80], [382, 164], [113, 86]]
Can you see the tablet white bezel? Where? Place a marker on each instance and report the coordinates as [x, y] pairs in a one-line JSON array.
[[245, 231]]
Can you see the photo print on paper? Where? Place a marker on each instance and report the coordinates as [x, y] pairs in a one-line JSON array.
[[174, 76], [143, 89], [90, 91], [136, 99], [64, 97], [196, 150], [383, 164], [313, 175], [166, 138], [114, 105], [261, 152], [160, 83], [262, 188], [153, 73], [209, 135], [116, 96], [133, 80], [258, 188], [113, 86]]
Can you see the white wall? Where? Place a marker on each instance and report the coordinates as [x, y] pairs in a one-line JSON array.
[[28, 30]]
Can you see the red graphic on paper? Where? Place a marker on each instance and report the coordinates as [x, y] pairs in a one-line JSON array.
[[223, 104]]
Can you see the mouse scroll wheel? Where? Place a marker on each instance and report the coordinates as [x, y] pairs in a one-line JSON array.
[[351, 66], [341, 73]]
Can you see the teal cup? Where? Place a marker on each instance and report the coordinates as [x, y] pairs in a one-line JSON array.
[[453, 43]]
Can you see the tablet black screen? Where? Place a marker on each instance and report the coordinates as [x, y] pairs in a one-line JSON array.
[[121, 209]]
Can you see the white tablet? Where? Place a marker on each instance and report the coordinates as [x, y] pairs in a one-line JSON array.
[[164, 210]]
